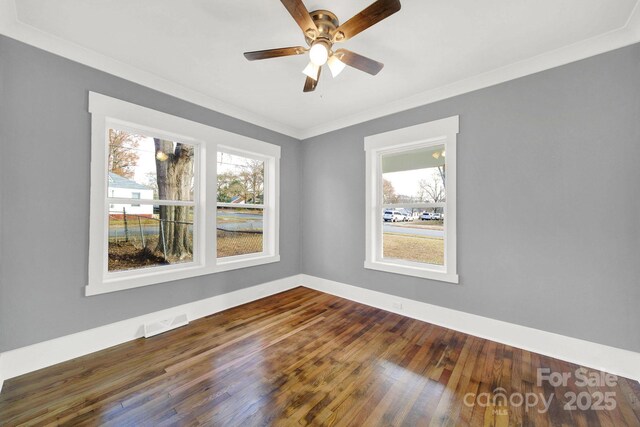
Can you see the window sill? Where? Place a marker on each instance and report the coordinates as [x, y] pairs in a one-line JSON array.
[[162, 275], [411, 271]]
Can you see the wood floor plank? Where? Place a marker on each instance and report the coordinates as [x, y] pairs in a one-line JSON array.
[[307, 358]]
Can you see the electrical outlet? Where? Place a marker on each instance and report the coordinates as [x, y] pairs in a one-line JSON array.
[[397, 305]]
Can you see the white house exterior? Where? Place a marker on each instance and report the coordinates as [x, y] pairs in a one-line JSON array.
[[122, 187]]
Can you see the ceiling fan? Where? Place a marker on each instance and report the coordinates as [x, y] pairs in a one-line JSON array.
[[321, 30]]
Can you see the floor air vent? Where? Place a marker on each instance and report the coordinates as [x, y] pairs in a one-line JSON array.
[[155, 328]]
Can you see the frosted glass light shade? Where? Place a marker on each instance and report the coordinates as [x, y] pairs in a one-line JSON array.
[[335, 65], [311, 70]]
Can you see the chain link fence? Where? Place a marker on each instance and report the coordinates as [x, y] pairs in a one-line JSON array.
[[239, 230], [238, 242], [137, 241]]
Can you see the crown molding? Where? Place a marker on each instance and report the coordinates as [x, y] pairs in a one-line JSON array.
[[615, 39], [633, 24], [12, 27]]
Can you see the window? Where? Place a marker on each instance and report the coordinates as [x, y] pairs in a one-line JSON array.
[[411, 194], [159, 174], [156, 181], [240, 214], [135, 195]]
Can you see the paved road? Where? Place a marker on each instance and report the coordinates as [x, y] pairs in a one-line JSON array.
[[244, 225], [388, 228]]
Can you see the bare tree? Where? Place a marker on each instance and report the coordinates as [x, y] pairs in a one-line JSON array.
[[245, 181], [174, 166], [252, 176], [123, 157], [229, 187], [388, 192], [152, 182], [432, 190]]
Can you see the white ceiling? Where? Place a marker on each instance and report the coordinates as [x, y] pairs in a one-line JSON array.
[[428, 45]]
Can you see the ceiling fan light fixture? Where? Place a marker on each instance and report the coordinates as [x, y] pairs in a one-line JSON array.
[[319, 53], [311, 70], [335, 65], [322, 29]]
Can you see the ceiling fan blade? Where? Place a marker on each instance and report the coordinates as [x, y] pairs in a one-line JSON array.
[[299, 12], [373, 14], [360, 62], [310, 84], [274, 53]]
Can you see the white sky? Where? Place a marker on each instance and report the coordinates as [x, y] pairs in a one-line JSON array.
[[228, 162], [146, 161], [406, 182]]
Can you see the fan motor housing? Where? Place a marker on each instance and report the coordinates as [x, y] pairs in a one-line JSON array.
[[326, 22]]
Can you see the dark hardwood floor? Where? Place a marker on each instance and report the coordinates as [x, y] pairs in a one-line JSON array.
[[303, 357]]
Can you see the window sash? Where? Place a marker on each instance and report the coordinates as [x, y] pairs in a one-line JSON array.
[[198, 244], [270, 244], [409, 263], [265, 235]]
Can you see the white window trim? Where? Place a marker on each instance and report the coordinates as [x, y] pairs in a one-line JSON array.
[[107, 111], [438, 132]]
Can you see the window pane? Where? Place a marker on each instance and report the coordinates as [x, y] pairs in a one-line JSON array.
[[240, 180], [141, 240], [414, 176], [154, 168], [418, 240], [239, 231]]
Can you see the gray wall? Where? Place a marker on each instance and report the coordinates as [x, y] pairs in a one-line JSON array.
[[548, 203], [44, 183], [548, 221]]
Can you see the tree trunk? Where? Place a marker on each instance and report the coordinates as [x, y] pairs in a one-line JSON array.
[[174, 175]]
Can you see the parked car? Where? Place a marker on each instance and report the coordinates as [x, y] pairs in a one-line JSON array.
[[426, 216], [437, 215], [394, 216]]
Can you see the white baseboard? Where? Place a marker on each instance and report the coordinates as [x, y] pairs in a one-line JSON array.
[[37, 356], [584, 353], [609, 359], [1, 373]]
